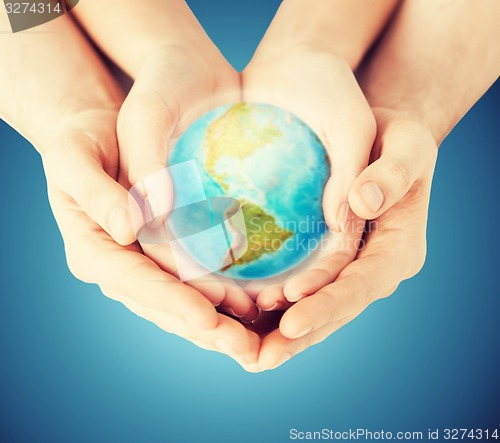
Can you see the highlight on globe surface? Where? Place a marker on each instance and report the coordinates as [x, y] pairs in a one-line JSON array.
[[248, 180]]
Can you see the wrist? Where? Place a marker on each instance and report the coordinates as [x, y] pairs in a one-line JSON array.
[[344, 28], [41, 129], [406, 118], [307, 41], [430, 115], [140, 30]]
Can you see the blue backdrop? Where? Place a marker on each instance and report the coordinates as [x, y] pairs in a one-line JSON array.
[[78, 367]]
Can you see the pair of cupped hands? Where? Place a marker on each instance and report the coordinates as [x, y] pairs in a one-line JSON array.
[[382, 167]]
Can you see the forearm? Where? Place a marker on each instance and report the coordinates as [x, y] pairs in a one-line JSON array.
[[346, 28], [436, 61], [49, 76], [129, 30]]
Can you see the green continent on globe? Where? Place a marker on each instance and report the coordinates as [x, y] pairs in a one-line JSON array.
[[264, 235], [236, 134]]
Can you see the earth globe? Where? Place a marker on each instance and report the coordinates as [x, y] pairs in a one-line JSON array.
[[248, 183]]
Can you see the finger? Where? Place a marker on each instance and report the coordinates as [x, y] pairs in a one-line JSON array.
[[406, 151], [95, 258], [362, 282], [254, 287], [233, 339], [145, 125], [349, 137], [272, 298], [337, 250], [141, 280], [349, 134], [238, 303], [266, 322], [78, 170], [277, 349], [222, 292]]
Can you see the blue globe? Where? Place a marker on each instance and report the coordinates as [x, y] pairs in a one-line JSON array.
[[258, 173]]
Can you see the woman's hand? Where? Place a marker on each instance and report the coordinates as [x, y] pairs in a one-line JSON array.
[[304, 64], [321, 89], [66, 103], [175, 86], [179, 75]]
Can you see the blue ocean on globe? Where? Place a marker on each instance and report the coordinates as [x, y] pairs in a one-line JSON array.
[[250, 204]]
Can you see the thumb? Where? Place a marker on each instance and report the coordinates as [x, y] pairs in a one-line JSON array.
[[406, 150], [145, 126], [80, 174]]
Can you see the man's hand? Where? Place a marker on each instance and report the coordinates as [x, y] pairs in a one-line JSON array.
[[394, 250], [81, 166]]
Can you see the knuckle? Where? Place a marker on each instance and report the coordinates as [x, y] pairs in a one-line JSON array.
[[94, 206], [365, 291], [136, 174], [333, 306], [335, 260], [399, 173]]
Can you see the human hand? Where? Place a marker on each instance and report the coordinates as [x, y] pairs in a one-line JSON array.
[[175, 85], [320, 88], [81, 165], [74, 130], [403, 161]]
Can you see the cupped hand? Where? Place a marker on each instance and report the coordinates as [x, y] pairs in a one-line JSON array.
[[81, 165], [402, 167], [176, 85], [321, 89]]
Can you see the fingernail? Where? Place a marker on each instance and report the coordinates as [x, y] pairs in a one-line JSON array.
[[342, 217], [295, 298], [303, 332], [274, 307], [117, 219], [230, 311], [372, 195]]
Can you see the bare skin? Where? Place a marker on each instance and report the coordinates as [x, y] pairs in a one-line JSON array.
[[437, 48], [76, 138]]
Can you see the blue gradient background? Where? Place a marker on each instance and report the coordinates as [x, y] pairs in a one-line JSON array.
[[76, 366]]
